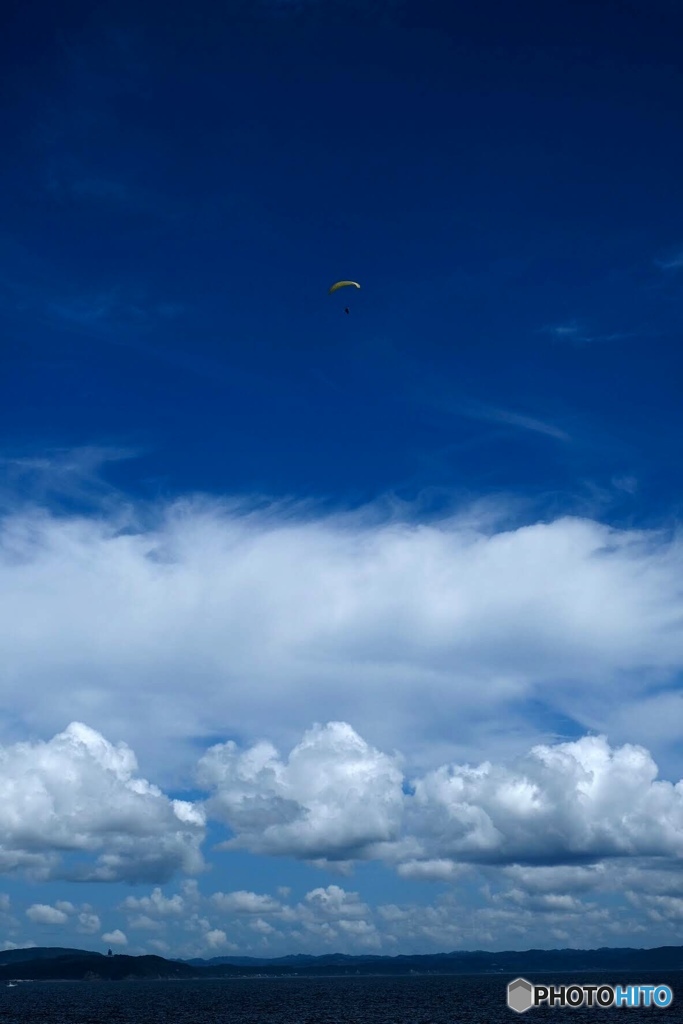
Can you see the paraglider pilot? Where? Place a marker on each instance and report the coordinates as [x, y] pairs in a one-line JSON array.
[[344, 284]]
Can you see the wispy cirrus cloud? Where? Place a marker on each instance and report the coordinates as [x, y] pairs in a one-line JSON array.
[[32, 292], [495, 414], [61, 476], [424, 389], [575, 333], [673, 261]]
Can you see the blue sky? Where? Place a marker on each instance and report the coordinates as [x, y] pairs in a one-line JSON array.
[[326, 632]]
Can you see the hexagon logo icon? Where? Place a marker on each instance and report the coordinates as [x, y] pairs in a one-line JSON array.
[[520, 995]]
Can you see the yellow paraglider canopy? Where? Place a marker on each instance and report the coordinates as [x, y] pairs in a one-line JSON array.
[[343, 284]]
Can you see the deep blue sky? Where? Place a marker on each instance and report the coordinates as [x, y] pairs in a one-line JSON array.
[[180, 184], [183, 185]]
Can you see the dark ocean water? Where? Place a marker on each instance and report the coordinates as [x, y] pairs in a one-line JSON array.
[[410, 1000]]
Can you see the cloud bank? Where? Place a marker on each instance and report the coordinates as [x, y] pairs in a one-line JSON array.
[[492, 701], [576, 840], [333, 799], [462, 638]]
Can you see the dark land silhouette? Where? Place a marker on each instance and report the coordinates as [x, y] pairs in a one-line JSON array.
[[59, 964]]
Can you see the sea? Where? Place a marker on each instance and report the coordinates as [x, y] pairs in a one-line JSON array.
[[431, 999]]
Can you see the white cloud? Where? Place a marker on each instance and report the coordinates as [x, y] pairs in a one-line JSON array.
[[281, 617], [569, 801], [464, 644], [500, 908], [554, 817], [328, 913], [156, 904], [262, 927], [141, 921], [557, 878], [41, 913], [216, 938], [365, 934], [242, 902], [88, 924], [333, 797], [665, 907], [562, 803], [334, 901], [511, 923], [430, 870], [116, 938], [80, 794]]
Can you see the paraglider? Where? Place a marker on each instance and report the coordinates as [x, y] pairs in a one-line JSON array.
[[343, 284]]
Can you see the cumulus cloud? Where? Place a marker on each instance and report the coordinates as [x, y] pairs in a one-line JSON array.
[[331, 915], [42, 913], [262, 927], [141, 921], [429, 870], [451, 922], [333, 797], [116, 938], [242, 902], [499, 908], [78, 794], [216, 938], [156, 904], [334, 901], [669, 908], [566, 803], [551, 819], [556, 878], [234, 921], [477, 632], [472, 645], [88, 924]]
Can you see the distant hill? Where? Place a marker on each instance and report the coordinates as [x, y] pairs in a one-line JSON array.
[[293, 960], [48, 963], [664, 958], [9, 956], [82, 966]]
